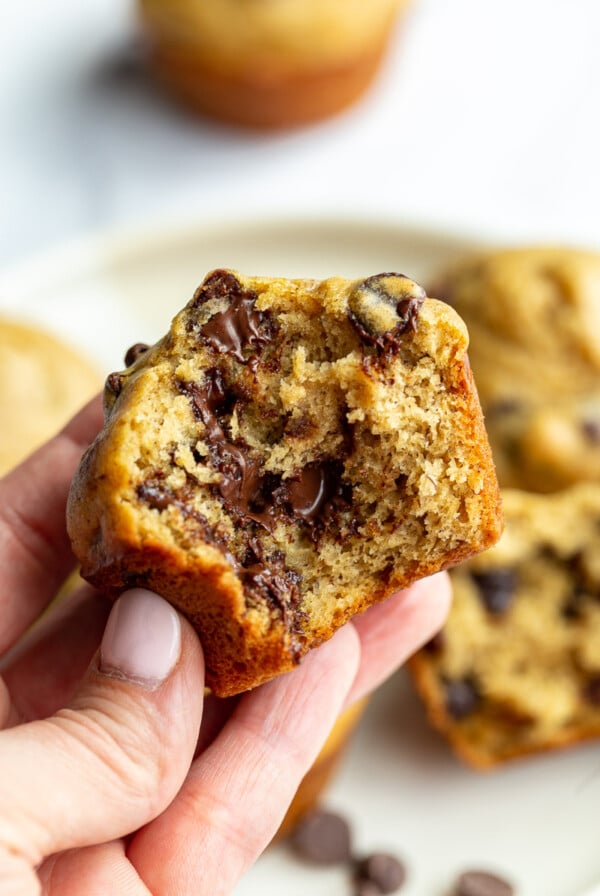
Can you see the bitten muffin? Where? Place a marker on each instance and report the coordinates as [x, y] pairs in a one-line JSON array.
[[516, 669], [268, 63], [291, 452], [534, 321], [43, 382]]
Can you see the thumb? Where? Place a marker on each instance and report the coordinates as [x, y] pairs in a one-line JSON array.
[[116, 757]]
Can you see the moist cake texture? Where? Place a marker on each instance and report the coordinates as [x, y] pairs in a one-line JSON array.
[[516, 669], [289, 453]]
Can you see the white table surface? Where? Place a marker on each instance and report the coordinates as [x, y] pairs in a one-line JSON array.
[[484, 119]]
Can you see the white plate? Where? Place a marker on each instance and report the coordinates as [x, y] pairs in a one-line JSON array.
[[404, 791]]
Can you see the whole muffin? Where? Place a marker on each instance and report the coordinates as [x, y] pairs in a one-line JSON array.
[[268, 63], [43, 382], [291, 452], [533, 316]]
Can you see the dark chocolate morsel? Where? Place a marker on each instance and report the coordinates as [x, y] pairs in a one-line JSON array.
[[133, 353], [496, 588], [114, 383], [482, 883], [384, 871], [239, 324], [462, 698], [592, 690], [218, 285], [322, 838], [591, 431], [385, 306]]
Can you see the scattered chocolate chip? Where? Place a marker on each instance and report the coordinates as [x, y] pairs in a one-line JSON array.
[[591, 431], [482, 883], [133, 353], [592, 690], [496, 588], [385, 872], [385, 306], [462, 698], [114, 383], [218, 285], [323, 838]]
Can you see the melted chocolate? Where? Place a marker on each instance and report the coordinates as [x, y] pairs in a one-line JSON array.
[[306, 495], [135, 352], [404, 302], [217, 285], [246, 490], [241, 482], [158, 496], [239, 326]]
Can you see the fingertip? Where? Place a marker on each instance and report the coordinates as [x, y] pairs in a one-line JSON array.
[[393, 630], [142, 639]]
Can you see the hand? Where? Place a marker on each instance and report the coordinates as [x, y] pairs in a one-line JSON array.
[[116, 775]]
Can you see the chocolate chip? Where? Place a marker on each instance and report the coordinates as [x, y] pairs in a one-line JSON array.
[[218, 285], [482, 883], [323, 838], [496, 588], [462, 698], [133, 353], [592, 690], [591, 431], [114, 383], [384, 307], [383, 871]]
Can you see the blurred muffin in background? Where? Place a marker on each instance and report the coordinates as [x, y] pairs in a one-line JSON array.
[[533, 316], [42, 384], [516, 669], [268, 63], [321, 772]]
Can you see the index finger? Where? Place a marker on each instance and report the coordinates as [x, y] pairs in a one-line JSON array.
[[35, 554]]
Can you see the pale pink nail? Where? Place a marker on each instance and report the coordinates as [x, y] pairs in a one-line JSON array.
[[142, 639]]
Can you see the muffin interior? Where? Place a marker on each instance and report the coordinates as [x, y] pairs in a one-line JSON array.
[[313, 432]]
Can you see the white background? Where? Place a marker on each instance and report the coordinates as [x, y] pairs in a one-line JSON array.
[[486, 118]]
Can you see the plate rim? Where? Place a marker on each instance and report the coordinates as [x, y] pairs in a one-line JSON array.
[[79, 254]]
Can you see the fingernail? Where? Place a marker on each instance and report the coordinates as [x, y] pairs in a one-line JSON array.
[[142, 638]]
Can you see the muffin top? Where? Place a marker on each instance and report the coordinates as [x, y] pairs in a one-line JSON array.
[[274, 31]]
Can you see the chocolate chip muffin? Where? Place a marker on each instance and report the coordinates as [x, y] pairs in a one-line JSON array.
[[268, 64], [534, 322], [43, 382], [289, 453], [516, 669]]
